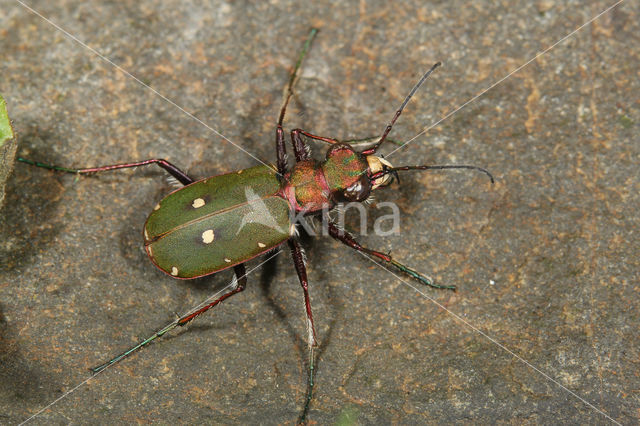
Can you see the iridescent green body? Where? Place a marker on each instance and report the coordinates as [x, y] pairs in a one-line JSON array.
[[218, 222], [343, 167], [225, 220], [313, 185]]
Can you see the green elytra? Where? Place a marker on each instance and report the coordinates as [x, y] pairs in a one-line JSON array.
[[217, 223], [223, 221]]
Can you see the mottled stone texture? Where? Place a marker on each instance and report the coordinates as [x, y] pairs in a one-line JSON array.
[[546, 261]]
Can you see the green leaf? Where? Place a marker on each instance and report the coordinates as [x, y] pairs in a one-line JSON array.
[[6, 131], [8, 147]]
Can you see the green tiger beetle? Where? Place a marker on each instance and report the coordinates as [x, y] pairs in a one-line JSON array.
[[223, 221]]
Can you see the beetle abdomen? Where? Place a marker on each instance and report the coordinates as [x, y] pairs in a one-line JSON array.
[[217, 222]]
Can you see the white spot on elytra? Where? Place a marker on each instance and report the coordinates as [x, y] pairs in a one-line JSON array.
[[227, 260], [208, 236], [146, 234], [198, 202], [240, 171], [174, 271], [262, 245], [157, 207]]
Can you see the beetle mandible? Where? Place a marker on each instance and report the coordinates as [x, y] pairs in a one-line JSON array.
[[223, 221]]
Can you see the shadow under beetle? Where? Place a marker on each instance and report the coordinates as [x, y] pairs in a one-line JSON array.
[[223, 221]]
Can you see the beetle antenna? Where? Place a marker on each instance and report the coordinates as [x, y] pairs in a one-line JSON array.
[[374, 148], [394, 170]]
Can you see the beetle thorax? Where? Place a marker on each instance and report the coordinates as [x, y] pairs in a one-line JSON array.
[[306, 188], [343, 176]]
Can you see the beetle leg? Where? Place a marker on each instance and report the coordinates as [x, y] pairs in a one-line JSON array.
[[363, 143], [300, 148], [301, 269], [241, 282], [316, 137], [281, 151], [173, 170], [347, 239]]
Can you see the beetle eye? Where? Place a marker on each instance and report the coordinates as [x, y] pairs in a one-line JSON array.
[[358, 191]]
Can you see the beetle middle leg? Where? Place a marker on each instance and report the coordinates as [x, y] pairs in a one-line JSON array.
[[301, 269], [281, 150], [174, 171], [347, 239]]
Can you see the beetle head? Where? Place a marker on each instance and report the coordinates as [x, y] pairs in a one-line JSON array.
[[346, 171], [377, 165]]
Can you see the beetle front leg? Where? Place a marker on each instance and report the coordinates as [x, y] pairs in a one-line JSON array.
[[330, 141], [300, 149], [347, 239], [281, 151], [356, 143]]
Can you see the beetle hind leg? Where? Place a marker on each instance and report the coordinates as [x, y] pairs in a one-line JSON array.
[[239, 284]]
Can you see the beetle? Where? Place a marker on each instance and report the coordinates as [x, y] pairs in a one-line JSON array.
[[221, 222]]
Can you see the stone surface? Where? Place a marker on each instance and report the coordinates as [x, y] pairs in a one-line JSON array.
[[546, 261]]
